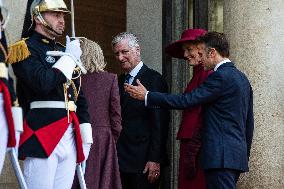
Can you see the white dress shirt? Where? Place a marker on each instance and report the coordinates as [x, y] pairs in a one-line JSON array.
[[135, 71], [222, 62]]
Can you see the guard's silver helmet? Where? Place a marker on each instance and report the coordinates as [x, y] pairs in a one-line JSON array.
[[40, 6]]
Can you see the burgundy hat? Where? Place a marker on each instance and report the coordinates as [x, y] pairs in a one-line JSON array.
[[175, 48]]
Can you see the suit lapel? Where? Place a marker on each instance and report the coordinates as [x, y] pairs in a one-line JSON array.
[[120, 83], [125, 96], [122, 93], [139, 74]]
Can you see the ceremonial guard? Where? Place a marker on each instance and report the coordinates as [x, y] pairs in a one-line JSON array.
[[56, 127], [10, 130]]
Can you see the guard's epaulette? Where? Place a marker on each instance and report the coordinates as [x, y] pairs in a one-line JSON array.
[[18, 51], [60, 44]]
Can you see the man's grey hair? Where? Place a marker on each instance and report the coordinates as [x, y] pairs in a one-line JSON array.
[[132, 39]]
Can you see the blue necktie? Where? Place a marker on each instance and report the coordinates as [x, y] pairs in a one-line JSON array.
[[127, 78]]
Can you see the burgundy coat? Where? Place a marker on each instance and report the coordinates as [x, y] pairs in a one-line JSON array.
[[187, 134], [192, 117], [102, 94]]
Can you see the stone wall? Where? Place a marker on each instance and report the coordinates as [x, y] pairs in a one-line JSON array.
[[17, 14], [144, 18], [256, 33]]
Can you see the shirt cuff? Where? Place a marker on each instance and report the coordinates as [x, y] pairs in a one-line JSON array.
[[146, 95]]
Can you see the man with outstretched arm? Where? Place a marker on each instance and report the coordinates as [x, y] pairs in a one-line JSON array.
[[227, 98]]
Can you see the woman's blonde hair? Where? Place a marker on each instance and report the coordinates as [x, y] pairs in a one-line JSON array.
[[92, 56]]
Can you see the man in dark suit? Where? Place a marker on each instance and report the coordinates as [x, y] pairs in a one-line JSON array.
[[142, 143], [228, 118]]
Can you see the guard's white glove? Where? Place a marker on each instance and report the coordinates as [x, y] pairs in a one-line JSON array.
[[69, 59], [67, 62], [73, 48], [86, 150], [18, 122], [87, 138]]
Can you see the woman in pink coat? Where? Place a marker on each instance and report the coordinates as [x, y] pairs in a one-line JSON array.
[[190, 174], [102, 94]]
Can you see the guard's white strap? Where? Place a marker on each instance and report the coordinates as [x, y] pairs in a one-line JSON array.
[[86, 133], [47, 104]]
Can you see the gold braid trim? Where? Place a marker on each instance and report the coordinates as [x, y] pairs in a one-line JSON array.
[[74, 90], [80, 84], [18, 52]]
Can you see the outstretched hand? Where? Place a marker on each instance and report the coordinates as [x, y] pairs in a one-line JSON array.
[[137, 92]]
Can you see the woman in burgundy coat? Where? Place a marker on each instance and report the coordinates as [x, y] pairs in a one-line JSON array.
[[190, 174], [102, 93]]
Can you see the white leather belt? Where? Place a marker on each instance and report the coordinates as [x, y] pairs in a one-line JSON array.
[[53, 104]]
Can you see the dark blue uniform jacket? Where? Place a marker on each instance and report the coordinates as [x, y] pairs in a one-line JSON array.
[[228, 116], [38, 81]]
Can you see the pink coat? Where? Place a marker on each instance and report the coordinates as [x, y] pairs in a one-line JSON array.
[[102, 94], [192, 117], [189, 129]]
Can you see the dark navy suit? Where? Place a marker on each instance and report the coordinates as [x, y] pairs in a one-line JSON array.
[[228, 118], [144, 132]]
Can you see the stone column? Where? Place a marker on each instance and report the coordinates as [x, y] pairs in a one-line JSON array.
[[256, 33], [144, 18], [16, 21]]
